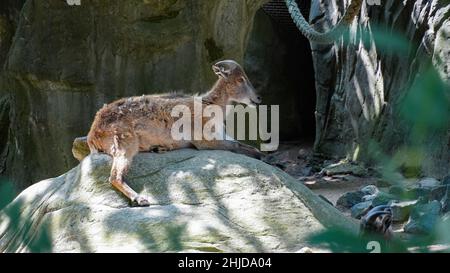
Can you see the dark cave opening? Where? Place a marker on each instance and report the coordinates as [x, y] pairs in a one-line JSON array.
[[279, 64]]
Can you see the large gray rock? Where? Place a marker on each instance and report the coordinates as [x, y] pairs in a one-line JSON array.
[[200, 201], [382, 198], [360, 209], [401, 210], [423, 218], [429, 183], [350, 199]]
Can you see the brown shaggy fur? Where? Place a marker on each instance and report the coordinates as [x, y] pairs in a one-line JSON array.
[[136, 124]]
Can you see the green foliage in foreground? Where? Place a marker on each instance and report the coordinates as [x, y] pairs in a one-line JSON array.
[[425, 110], [337, 240], [34, 238]]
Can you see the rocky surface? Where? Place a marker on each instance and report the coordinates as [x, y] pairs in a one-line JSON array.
[[360, 209], [362, 82], [200, 201], [417, 206], [350, 199], [423, 218], [344, 167], [402, 210]]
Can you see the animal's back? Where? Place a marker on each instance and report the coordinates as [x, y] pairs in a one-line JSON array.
[[146, 118]]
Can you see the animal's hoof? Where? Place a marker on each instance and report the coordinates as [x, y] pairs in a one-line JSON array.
[[141, 201], [253, 152], [258, 155], [159, 149], [162, 149]]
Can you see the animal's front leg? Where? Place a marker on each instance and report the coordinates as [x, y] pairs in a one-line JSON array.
[[250, 150], [159, 149], [228, 145]]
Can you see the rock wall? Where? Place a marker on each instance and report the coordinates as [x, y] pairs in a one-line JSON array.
[[9, 17], [361, 86], [67, 61]]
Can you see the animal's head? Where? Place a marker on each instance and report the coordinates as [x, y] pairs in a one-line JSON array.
[[237, 85]]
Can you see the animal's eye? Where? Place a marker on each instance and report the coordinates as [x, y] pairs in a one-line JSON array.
[[241, 80]]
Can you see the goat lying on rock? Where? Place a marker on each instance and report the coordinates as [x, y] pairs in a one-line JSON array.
[[141, 124]]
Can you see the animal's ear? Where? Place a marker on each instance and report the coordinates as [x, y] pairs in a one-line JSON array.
[[222, 70]]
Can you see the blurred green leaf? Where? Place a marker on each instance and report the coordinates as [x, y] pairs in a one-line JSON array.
[[386, 40], [342, 241], [427, 104], [35, 236], [42, 242], [7, 192]]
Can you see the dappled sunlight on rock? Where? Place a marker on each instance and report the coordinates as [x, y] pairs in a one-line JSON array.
[[232, 170], [238, 204], [210, 166]]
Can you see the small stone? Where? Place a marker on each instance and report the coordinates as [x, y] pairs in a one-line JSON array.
[[369, 197], [382, 198], [429, 183], [305, 250], [344, 167], [409, 191], [401, 210], [350, 199], [370, 189], [423, 218], [360, 209]]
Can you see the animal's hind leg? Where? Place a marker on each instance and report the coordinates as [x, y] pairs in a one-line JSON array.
[[121, 163], [119, 169]]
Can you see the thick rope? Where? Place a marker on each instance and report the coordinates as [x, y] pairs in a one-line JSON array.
[[329, 36]]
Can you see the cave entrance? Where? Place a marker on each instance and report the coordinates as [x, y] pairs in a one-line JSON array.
[[278, 62]]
